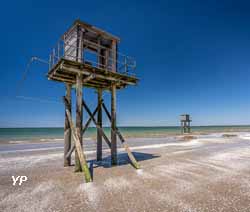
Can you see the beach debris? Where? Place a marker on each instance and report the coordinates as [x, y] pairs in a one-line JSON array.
[[229, 135], [189, 137]]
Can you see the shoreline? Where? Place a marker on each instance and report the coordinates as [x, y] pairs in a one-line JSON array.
[[39, 140], [172, 174]]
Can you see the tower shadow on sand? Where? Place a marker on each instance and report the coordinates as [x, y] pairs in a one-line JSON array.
[[123, 159]]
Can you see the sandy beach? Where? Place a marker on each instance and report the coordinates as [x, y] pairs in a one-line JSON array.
[[204, 173], [136, 106]]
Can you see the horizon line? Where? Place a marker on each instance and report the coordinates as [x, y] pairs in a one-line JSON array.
[[218, 125]]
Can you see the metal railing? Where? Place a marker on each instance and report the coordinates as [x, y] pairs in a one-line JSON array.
[[70, 50]]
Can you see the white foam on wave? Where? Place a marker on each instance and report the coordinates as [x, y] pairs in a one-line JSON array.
[[194, 142], [244, 136], [61, 139], [18, 142], [51, 139], [212, 135], [87, 138]]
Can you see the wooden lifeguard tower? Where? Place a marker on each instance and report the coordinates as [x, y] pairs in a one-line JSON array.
[[185, 123], [88, 57]]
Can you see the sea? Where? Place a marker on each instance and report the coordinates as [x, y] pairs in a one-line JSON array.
[[16, 135]]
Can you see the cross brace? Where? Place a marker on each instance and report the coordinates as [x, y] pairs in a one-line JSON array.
[[83, 131], [92, 117]]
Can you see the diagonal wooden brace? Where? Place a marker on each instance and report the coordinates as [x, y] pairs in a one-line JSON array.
[[83, 131], [96, 124], [90, 119], [125, 145], [78, 146]]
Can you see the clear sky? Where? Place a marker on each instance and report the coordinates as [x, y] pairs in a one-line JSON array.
[[192, 57]]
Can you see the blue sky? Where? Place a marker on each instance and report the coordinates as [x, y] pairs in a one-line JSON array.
[[192, 57]]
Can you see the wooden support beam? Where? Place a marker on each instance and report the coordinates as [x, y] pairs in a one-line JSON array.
[[113, 107], [89, 120], [60, 79], [125, 145], [113, 126], [106, 111], [79, 115], [109, 76], [79, 149], [88, 78], [83, 131], [67, 130], [99, 122], [70, 151], [189, 129], [60, 74], [101, 62], [96, 124]]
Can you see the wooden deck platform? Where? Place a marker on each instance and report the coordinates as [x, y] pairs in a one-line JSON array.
[[67, 70]]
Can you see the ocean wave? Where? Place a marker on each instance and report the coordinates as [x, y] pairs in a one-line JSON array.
[[87, 139], [61, 139], [18, 142], [51, 139], [244, 136]]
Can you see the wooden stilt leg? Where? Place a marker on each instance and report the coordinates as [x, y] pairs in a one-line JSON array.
[[79, 112], [130, 154], [113, 126], [67, 130], [79, 148], [99, 121]]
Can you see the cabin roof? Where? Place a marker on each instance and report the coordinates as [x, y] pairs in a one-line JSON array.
[[91, 28]]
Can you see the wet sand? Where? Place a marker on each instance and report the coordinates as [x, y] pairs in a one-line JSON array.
[[207, 173]]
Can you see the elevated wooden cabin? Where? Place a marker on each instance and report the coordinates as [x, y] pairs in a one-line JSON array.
[[93, 53], [86, 56], [185, 123]]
